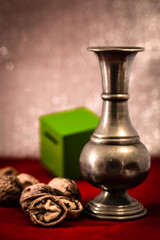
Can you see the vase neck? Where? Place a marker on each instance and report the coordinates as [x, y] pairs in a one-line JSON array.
[[115, 70], [115, 125], [115, 65]]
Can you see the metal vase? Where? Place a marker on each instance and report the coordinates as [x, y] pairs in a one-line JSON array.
[[114, 159]]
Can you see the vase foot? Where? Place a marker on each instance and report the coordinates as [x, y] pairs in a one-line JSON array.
[[114, 205]]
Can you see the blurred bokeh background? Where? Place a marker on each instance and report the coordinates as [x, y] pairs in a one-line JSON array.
[[45, 67]]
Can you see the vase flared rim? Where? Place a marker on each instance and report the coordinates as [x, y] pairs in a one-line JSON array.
[[124, 49]]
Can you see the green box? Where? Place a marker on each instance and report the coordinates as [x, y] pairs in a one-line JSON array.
[[62, 137]]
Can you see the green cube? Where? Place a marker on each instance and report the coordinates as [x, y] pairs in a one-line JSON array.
[[63, 135]]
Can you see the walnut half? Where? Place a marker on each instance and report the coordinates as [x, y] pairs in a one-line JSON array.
[[74, 207], [47, 211], [32, 192]]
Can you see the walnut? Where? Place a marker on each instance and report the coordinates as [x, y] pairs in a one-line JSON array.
[[47, 210], [74, 207], [26, 180], [65, 187], [12, 185], [32, 192], [10, 191], [8, 171]]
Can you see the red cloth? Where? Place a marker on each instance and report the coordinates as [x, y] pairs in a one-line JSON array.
[[14, 225]]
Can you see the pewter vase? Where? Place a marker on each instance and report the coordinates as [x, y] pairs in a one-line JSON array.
[[114, 159]]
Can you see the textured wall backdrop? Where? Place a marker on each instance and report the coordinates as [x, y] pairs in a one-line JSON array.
[[45, 67]]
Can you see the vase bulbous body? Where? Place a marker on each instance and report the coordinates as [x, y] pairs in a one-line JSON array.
[[114, 159]]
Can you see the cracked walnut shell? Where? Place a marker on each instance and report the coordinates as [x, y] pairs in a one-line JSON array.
[[74, 207], [32, 192], [47, 211]]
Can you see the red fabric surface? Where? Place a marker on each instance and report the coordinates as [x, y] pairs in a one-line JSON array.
[[14, 225]]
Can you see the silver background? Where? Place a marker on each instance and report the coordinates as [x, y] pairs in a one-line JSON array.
[[45, 67]]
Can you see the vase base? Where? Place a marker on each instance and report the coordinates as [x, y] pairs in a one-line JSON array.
[[115, 206]]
